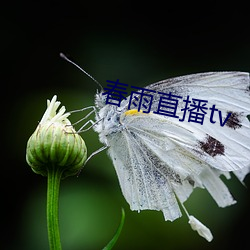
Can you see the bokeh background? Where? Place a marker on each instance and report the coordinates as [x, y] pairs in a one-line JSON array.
[[138, 43]]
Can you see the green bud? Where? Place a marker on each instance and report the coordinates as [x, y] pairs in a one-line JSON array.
[[55, 144]]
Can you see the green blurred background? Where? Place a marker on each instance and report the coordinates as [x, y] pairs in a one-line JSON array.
[[138, 43]]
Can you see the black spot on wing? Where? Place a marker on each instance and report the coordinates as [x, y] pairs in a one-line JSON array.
[[234, 120], [191, 181], [212, 146], [248, 89]]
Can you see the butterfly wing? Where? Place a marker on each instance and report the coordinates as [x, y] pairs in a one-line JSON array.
[[157, 157], [229, 92], [141, 183]]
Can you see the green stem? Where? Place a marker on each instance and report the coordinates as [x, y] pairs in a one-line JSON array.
[[54, 177]]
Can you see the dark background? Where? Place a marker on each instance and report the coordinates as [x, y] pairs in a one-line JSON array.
[[138, 43]]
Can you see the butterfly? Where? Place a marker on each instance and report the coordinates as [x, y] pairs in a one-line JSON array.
[[160, 160]]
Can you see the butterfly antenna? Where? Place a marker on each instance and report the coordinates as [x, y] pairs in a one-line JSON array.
[[68, 60]]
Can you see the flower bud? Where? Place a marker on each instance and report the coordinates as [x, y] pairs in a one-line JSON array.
[[55, 144]]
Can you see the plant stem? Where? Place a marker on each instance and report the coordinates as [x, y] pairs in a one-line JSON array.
[[54, 177]]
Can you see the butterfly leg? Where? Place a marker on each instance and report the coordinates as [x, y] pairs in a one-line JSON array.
[[91, 155], [86, 116], [83, 129], [96, 152]]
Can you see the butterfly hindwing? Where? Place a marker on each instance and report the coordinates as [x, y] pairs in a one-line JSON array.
[[142, 184]]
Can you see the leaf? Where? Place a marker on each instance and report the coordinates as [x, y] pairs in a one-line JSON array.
[[117, 234]]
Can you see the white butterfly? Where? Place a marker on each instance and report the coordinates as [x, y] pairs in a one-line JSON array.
[[159, 160]]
